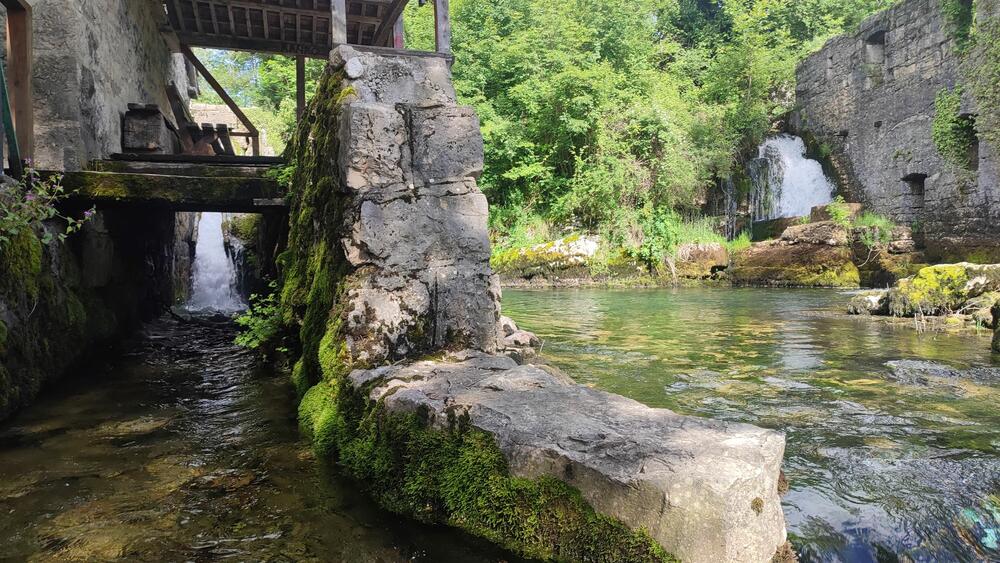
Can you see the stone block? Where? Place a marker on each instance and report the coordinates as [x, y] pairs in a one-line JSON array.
[[373, 150], [447, 144], [146, 131], [706, 490], [398, 79]]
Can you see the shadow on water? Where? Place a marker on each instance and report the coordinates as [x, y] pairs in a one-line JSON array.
[[882, 468], [183, 449]]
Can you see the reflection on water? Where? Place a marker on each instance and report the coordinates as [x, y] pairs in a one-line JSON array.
[[183, 451], [881, 469]]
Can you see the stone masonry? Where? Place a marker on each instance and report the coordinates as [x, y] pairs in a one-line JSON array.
[[414, 236], [869, 99], [91, 59]]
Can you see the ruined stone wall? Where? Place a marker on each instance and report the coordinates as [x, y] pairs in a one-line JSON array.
[[91, 59], [61, 302], [868, 100]]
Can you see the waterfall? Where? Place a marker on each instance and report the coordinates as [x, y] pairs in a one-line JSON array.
[[731, 200], [214, 275], [784, 182]]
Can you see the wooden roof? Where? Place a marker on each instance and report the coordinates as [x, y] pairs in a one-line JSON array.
[[293, 27]]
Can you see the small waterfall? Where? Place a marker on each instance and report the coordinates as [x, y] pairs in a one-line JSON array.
[[784, 182], [213, 285], [731, 200]]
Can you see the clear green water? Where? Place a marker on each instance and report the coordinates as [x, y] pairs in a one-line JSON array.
[[880, 470], [184, 450]]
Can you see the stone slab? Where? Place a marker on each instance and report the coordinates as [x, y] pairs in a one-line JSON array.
[[706, 490]]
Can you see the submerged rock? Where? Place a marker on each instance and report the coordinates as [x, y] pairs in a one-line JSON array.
[[705, 490], [918, 372], [869, 303]]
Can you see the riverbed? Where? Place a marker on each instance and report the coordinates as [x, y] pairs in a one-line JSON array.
[[181, 448], [881, 468]]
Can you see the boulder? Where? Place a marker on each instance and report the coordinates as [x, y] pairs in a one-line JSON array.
[[783, 264], [700, 260], [822, 212], [869, 303], [706, 490], [559, 255], [507, 325], [981, 309], [942, 289], [827, 232]]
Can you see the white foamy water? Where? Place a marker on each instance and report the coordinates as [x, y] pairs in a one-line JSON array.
[[785, 182], [213, 286]]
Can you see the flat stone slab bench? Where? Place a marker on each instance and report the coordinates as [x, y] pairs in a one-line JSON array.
[[706, 490]]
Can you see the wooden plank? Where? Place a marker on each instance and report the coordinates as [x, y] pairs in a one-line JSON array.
[[209, 170], [19, 63], [388, 24], [239, 43], [195, 159], [338, 21], [225, 97], [442, 27]]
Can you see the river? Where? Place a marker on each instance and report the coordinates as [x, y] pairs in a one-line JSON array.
[[180, 447], [880, 470]]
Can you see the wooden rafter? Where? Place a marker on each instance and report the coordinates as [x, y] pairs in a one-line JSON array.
[[392, 16], [254, 133]]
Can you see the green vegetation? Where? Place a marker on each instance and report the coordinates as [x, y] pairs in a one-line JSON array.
[[935, 290], [953, 133], [261, 323], [982, 71], [839, 212], [960, 15], [458, 476], [873, 230], [31, 201]]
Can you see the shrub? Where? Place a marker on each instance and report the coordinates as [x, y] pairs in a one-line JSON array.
[[261, 323], [33, 200], [953, 133], [739, 244], [874, 230], [839, 212]]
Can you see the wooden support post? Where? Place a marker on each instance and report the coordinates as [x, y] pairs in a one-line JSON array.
[[442, 27], [399, 35], [254, 133], [391, 27], [300, 85], [19, 60], [338, 21]]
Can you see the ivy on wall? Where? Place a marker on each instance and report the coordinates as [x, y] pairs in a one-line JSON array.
[[960, 15], [954, 134], [983, 71]]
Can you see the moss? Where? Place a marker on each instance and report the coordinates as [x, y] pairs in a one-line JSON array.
[[935, 290], [3, 338], [21, 264], [982, 71], [458, 476], [800, 265], [102, 186], [244, 226], [954, 134], [959, 15]]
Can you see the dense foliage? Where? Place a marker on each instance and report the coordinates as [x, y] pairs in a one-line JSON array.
[[610, 116]]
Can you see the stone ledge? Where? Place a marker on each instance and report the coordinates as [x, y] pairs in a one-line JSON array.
[[705, 490]]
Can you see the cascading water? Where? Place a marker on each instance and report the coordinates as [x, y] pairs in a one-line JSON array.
[[784, 182], [213, 286]]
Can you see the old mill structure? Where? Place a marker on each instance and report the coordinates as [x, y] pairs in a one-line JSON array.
[[406, 376]]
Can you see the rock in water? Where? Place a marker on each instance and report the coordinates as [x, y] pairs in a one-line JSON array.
[[705, 490], [869, 303], [701, 260]]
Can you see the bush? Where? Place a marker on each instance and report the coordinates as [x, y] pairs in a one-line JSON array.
[[953, 133], [839, 212], [261, 323], [874, 230], [33, 200]]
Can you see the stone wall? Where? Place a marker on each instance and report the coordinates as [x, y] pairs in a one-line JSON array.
[[91, 59], [61, 302], [868, 100]]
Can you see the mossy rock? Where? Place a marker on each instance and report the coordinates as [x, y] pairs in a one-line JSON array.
[[21, 264], [942, 289], [458, 476], [795, 265]]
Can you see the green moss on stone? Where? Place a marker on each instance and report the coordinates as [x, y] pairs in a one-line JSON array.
[[458, 476], [954, 134], [934, 290], [21, 264]]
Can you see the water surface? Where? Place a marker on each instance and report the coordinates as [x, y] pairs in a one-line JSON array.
[[880, 470], [184, 450]]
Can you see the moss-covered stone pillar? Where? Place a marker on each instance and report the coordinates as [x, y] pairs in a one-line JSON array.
[[388, 251]]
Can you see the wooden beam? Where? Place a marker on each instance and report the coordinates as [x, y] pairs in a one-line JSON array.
[[255, 139], [254, 45], [442, 27], [399, 34], [300, 85], [388, 25], [19, 62], [338, 21]]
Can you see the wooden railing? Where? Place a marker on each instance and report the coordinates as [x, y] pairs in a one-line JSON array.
[[15, 87]]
